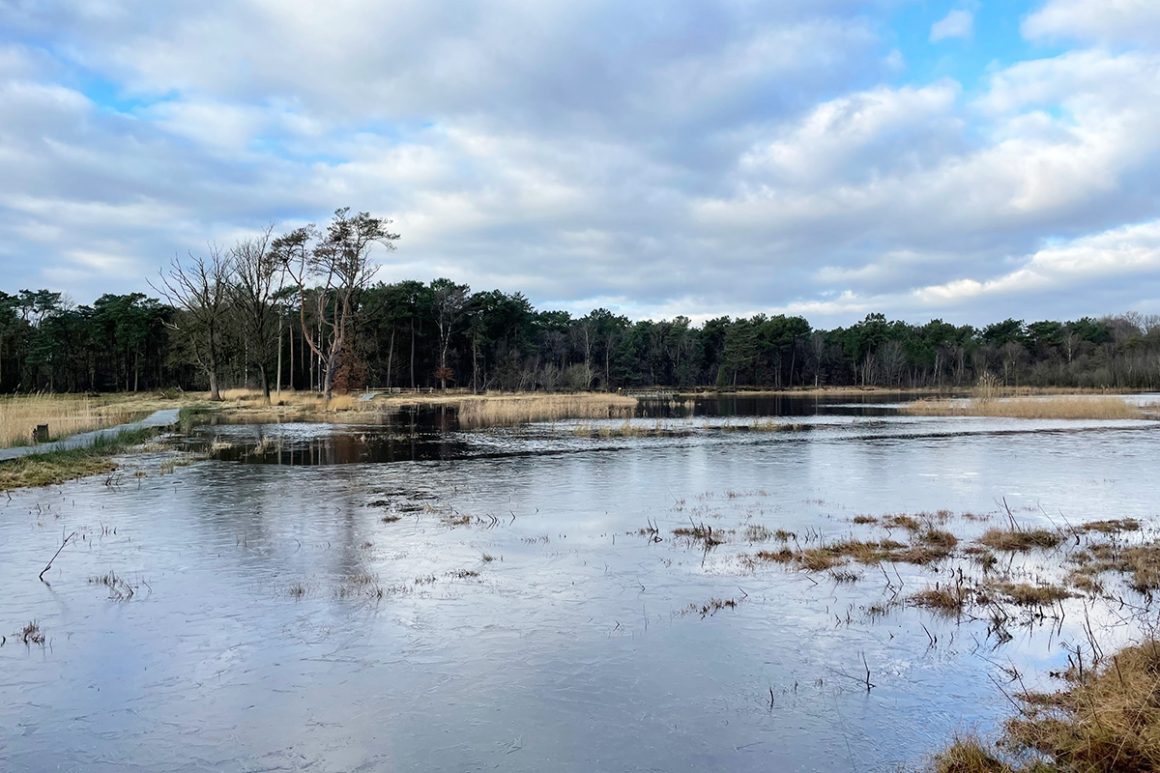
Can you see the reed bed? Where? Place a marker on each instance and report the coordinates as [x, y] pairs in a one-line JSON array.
[[473, 411], [64, 414], [1057, 407], [509, 410], [1104, 719]]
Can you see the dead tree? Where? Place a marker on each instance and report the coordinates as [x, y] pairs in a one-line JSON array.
[[255, 279], [198, 287]]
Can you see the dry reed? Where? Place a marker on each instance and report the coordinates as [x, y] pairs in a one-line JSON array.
[[64, 414], [508, 410], [1057, 407], [1104, 719]]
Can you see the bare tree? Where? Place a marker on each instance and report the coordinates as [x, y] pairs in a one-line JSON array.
[[256, 277], [450, 301], [198, 287], [337, 262]]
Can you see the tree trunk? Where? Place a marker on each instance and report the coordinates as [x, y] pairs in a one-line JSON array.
[[279, 376], [390, 356]]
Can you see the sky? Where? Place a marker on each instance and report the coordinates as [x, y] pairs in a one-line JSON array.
[[969, 160]]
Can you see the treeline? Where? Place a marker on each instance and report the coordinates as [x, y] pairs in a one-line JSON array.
[[496, 340], [302, 311]]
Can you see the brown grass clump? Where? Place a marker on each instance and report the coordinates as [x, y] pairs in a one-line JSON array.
[[1140, 563], [824, 557], [1108, 719], [968, 755], [1113, 526], [1057, 407], [908, 522], [947, 599], [865, 519], [1021, 540], [1028, 595]]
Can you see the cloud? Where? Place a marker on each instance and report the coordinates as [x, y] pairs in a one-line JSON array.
[[959, 23], [1101, 21], [701, 159]]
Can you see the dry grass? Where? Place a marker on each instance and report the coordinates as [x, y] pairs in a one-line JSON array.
[[969, 755], [1057, 407], [626, 429], [945, 599], [1027, 595], [509, 410], [1103, 720], [64, 414], [928, 547], [1139, 563], [901, 521], [1113, 526], [1020, 540]]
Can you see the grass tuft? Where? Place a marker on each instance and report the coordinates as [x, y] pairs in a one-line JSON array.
[[1020, 540]]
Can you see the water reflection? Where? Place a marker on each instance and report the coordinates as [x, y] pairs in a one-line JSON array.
[[488, 599]]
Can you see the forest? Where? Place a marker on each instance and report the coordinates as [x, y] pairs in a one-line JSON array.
[[302, 311]]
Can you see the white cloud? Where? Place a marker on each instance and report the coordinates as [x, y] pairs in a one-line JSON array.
[[644, 154], [959, 23], [1103, 21], [1121, 252]]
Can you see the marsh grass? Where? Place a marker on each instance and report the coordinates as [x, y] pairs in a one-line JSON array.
[[701, 533], [1021, 540], [764, 425], [947, 599], [55, 467], [1055, 407], [119, 588], [1028, 595], [755, 532], [64, 414], [1112, 526], [31, 634], [969, 755], [1139, 563], [475, 412], [1105, 718], [628, 428], [927, 546]]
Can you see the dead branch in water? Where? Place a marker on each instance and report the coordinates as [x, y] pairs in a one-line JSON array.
[[48, 566]]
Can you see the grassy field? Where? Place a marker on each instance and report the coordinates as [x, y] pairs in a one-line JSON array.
[[70, 414]]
